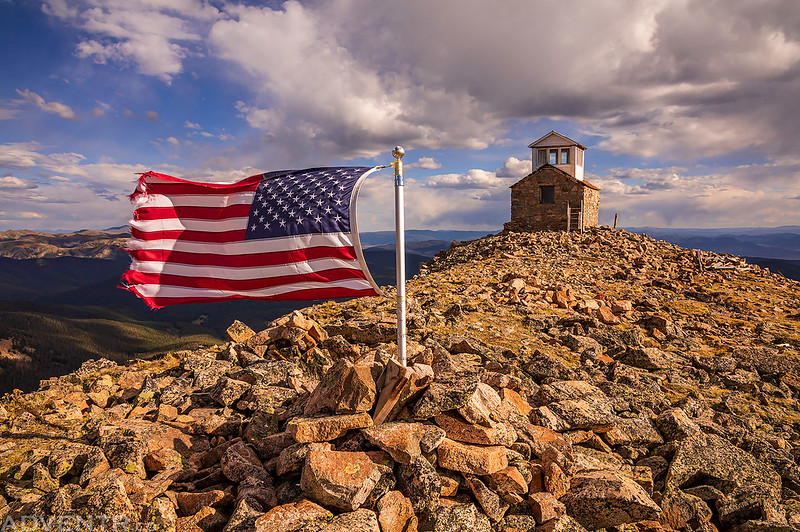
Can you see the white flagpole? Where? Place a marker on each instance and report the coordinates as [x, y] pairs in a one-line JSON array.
[[400, 250]]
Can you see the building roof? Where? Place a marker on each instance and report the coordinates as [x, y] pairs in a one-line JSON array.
[[550, 166], [563, 141]]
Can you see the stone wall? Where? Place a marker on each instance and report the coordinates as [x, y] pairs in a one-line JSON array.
[[529, 214]]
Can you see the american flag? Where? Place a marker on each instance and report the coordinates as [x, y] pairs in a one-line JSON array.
[[288, 235]]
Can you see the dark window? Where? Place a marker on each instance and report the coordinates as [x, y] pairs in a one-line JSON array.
[[553, 156], [542, 157], [548, 194], [564, 156]]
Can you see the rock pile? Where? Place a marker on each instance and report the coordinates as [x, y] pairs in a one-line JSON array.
[[559, 382]]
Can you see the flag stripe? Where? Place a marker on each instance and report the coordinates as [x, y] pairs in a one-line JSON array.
[[191, 236], [137, 278], [243, 261], [188, 224], [196, 200], [295, 295], [245, 247], [161, 291], [196, 213]]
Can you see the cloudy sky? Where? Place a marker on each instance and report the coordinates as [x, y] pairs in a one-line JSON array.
[[690, 108]]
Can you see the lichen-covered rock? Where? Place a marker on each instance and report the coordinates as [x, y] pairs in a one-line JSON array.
[[602, 499], [711, 456], [492, 504], [318, 429], [292, 458], [124, 449], [227, 391], [448, 392], [344, 389], [292, 516], [473, 459], [460, 518], [244, 516], [77, 459], [266, 399], [160, 515], [652, 359], [338, 479], [480, 407], [361, 520], [394, 512], [683, 510], [419, 481], [402, 440], [241, 461], [239, 332], [493, 434], [750, 502], [674, 424]]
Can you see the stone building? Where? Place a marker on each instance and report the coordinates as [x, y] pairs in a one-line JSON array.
[[554, 196]]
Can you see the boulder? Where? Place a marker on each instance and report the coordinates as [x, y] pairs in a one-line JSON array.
[[394, 512], [750, 502], [238, 332], [491, 503], [480, 406], [361, 520], [421, 483], [402, 440], [240, 461], [545, 506], [124, 449], [340, 479], [720, 463], [449, 392], [291, 517], [317, 429], [227, 391], [652, 359], [682, 510], [602, 499], [459, 430], [473, 459], [674, 424], [345, 388], [460, 518]]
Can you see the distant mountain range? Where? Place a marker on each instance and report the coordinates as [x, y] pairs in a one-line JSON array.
[[768, 242]]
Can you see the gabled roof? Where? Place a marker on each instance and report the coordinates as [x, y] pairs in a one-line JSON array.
[[550, 166], [562, 141]]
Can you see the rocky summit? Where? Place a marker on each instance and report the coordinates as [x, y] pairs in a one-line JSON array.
[[556, 382]]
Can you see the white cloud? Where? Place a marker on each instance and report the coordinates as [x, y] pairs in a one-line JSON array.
[[156, 36], [515, 168], [472, 179], [15, 183], [191, 125], [425, 163], [97, 112], [173, 142], [151, 116], [62, 110]]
